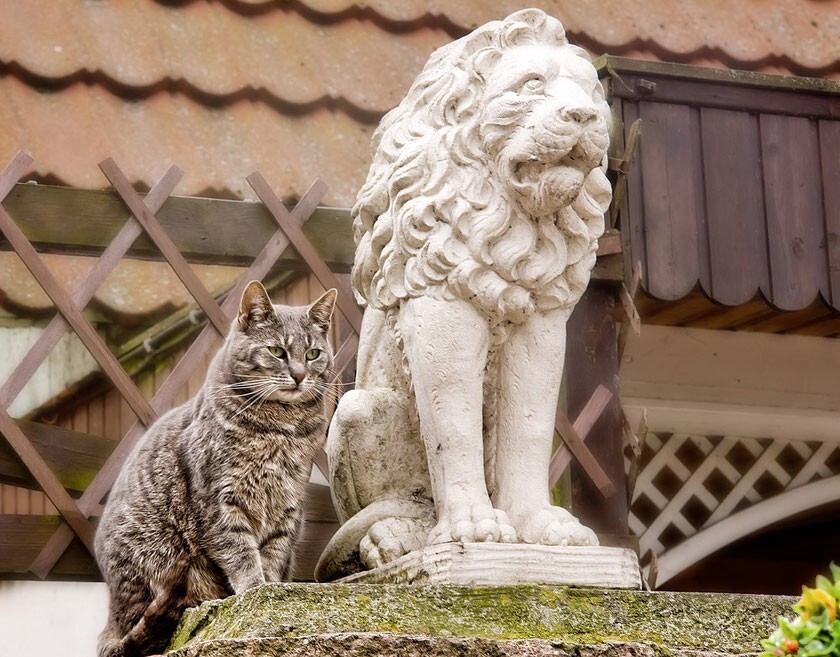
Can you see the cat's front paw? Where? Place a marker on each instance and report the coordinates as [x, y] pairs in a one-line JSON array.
[[391, 538], [473, 523], [553, 525]]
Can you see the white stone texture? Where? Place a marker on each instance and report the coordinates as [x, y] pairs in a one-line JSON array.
[[476, 232], [491, 564]]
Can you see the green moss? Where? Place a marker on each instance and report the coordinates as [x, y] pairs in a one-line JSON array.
[[728, 623]]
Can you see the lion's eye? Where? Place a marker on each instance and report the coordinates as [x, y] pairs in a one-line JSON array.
[[312, 354], [533, 85], [277, 352]]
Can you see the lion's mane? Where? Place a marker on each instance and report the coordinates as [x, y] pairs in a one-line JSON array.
[[434, 217]]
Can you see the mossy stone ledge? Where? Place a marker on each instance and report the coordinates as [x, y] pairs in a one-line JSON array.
[[388, 619]]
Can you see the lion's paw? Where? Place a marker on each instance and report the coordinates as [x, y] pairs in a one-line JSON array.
[[391, 538], [473, 523], [553, 525]]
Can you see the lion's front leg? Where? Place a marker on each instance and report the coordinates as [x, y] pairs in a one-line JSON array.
[[530, 373], [446, 346]]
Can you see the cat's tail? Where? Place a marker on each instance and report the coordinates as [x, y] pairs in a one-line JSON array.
[[110, 642], [152, 633]]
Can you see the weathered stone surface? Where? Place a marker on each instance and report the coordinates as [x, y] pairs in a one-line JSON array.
[[281, 619], [489, 564], [368, 645]]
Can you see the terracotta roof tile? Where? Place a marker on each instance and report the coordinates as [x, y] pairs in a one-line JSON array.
[[69, 132], [212, 50]]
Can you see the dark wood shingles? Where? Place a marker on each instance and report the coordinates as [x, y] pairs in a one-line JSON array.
[[673, 199], [795, 225], [735, 205], [829, 134]]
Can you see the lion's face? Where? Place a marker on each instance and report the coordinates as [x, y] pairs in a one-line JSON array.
[[553, 97]]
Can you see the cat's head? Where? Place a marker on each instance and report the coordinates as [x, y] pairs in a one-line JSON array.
[[280, 353]]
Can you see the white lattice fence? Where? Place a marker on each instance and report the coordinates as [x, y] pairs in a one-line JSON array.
[[688, 483]]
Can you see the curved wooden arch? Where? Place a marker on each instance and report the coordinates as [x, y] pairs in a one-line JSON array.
[[674, 561]]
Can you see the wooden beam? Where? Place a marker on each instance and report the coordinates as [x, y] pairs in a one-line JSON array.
[[592, 360], [215, 231], [624, 66], [204, 230], [22, 536], [73, 457], [726, 367]]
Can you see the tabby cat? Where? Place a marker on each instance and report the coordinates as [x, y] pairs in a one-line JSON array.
[[210, 501]]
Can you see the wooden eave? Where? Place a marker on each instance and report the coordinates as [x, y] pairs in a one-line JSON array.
[[732, 197]]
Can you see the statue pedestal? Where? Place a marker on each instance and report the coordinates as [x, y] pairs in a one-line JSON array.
[[493, 564], [368, 620]]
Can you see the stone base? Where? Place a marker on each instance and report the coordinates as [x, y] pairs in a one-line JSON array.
[[492, 564], [314, 620]]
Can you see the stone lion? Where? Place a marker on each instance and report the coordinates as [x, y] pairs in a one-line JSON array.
[[476, 231]]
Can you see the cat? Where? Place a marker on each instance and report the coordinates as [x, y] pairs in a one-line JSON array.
[[209, 503]]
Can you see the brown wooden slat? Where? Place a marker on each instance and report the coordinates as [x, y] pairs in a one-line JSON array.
[[592, 360], [345, 300], [726, 96], [205, 230], [87, 334], [673, 199], [723, 318], [21, 536], [104, 266], [795, 223], [829, 136], [73, 457], [583, 455], [318, 506], [735, 205], [610, 65], [46, 479], [777, 322], [12, 172], [562, 457], [824, 328], [345, 354], [312, 542], [154, 230], [204, 343]]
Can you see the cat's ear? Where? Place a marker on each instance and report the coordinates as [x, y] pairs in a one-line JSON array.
[[321, 311], [255, 306]]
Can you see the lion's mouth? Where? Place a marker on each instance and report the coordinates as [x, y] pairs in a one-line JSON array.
[[534, 167]]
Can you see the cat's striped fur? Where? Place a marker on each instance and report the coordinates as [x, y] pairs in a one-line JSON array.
[[210, 501]]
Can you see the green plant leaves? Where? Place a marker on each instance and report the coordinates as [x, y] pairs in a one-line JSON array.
[[815, 632]]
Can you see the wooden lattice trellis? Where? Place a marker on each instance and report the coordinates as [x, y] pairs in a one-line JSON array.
[[688, 483], [142, 219], [76, 512]]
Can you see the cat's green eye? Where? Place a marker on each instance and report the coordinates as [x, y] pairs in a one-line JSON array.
[[312, 354], [277, 352]]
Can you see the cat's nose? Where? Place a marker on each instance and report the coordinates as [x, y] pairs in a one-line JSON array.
[[297, 374]]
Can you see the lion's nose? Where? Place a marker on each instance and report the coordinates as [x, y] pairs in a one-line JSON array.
[[582, 115]]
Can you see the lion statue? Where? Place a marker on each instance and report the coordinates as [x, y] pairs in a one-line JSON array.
[[476, 232]]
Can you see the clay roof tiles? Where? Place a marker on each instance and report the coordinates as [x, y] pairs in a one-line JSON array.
[[294, 88]]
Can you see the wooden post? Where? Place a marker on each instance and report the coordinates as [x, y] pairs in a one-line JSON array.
[[592, 359]]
